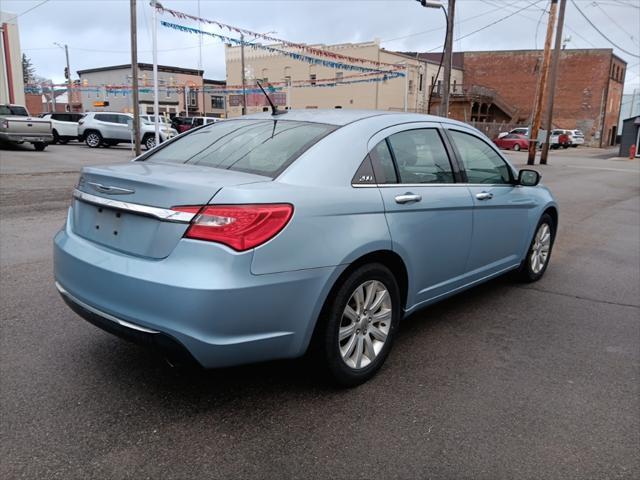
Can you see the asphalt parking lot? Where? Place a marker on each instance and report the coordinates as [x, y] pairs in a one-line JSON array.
[[503, 381]]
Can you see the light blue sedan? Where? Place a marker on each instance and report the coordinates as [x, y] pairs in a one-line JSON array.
[[264, 237]]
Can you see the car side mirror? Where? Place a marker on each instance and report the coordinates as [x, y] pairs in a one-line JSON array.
[[528, 178]]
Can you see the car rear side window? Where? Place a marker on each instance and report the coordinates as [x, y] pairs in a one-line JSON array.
[[264, 147], [382, 162], [481, 162], [105, 117], [421, 157]]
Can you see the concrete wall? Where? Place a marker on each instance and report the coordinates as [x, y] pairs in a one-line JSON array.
[[11, 81], [585, 98]]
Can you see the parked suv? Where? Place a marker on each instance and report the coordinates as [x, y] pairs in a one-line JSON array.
[[64, 126], [576, 137], [110, 128]]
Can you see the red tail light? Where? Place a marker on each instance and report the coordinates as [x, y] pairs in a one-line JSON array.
[[240, 227]]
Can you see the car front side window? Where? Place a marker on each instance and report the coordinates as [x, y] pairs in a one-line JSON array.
[[481, 162], [421, 157]]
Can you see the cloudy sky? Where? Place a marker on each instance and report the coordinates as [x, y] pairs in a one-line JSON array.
[[97, 31]]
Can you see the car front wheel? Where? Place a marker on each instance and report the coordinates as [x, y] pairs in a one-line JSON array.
[[149, 142], [516, 147], [93, 139], [535, 263], [359, 324]]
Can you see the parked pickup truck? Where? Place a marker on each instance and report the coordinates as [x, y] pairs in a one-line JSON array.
[[17, 126]]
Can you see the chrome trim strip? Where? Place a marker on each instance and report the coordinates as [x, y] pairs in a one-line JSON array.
[[101, 313], [457, 184], [163, 214]]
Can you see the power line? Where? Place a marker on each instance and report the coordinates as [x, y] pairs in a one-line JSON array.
[[600, 32], [442, 28], [614, 21], [28, 10], [572, 30], [490, 24]]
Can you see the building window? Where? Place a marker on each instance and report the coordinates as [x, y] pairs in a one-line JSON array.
[[312, 79], [287, 80], [168, 92], [439, 87], [338, 107], [455, 86], [339, 77], [265, 109], [217, 102], [410, 86], [193, 98], [420, 79]]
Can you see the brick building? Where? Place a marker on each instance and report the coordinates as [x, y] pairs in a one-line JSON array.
[[588, 89]]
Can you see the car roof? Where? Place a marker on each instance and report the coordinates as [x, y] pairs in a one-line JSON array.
[[341, 117]]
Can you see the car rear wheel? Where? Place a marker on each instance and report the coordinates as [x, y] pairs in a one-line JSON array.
[[93, 139], [516, 147], [358, 325], [39, 146], [535, 263]]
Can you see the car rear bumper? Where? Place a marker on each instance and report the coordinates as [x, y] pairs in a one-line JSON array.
[[21, 138], [201, 297]]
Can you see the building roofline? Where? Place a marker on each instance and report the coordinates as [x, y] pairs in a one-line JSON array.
[[610, 50], [143, 66]]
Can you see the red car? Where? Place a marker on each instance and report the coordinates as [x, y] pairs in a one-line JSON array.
[[513, 141]]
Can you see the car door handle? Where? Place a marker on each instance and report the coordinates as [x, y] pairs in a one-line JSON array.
[[484, 196], [408, 198]]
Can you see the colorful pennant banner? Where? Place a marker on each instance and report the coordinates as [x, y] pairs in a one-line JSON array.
[[293, 55], [301, 46]]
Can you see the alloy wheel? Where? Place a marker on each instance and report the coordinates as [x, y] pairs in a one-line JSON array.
[[93, 140], [365, 324], [150, 143], [541, 248]]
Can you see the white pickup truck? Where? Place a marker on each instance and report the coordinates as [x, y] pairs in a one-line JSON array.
[[17, 126]]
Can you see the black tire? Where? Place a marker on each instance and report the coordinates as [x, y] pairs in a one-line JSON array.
[[526, 272], [574, 146], [516, 147], [93, 139], [39, 146], [565, 146], [149, 141], [63, 141], [326, 348], [56, 137]]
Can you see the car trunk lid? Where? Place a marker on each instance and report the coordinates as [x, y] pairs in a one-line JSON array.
[[126, 206]]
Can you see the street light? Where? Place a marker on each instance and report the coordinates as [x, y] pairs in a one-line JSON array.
[[67, 73], [435, 4]]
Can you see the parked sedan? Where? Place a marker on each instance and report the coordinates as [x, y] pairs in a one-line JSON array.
[[512, 141], [259, 237]]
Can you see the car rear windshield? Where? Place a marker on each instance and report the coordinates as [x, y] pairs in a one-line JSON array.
[[13, 110], [263, 147]]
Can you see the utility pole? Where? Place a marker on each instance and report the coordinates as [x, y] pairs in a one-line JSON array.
[[134, 77], [244, 88], [533, 134], [448, 55], [552, 82], [154, 36], [67, 73], [406, 86]]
